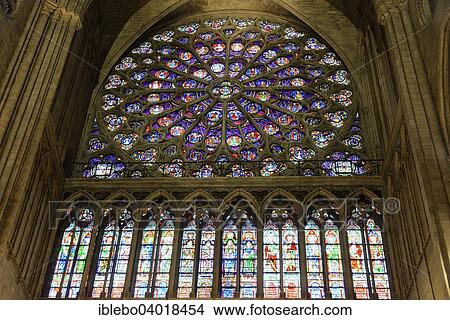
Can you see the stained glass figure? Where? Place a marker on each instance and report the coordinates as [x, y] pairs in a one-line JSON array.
[[314, 262], [272, 263], [222, 88], [143, 284], [358, 260], [206, 261], [164, 259], [229, 260], [334, 260], [187, 261], [367, 260], [291, 264], [378, 260], [72, 255], [113, 258], [248, 261]]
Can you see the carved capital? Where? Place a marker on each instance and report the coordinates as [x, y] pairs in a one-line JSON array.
[[61, 15], [386, 8]]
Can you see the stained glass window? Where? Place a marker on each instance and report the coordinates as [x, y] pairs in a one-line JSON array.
[[358, 260], [378, 260], [187, 261], [144, 273], [367, 259], [272, 264], [248, 259], [334, 260], [291, 264], [314, 263], [72, 255], [164, 259], [206, 261], [229, 260], [325, 273], [225, 90], [113, 258]]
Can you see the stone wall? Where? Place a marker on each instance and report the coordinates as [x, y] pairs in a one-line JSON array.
[[12, 27], [55, 67]]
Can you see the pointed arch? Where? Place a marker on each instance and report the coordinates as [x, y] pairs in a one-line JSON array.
[[354, 197], [200, 193], [160, 194], [79, 195], [366, 246], [363, 191], [320, 193], [120, 195], [283, 194], [236, 194], [323, 194]]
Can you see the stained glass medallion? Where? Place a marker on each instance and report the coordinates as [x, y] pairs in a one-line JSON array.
[[223, 89]]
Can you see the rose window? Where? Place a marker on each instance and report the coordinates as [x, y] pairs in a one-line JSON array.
[[226, 91]]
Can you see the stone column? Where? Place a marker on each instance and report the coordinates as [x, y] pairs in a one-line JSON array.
[[428, 147], [27, 94]]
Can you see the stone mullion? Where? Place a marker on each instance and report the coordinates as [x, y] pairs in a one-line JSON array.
[[134, 256], [260, 257], [39, 89], [197, 260], [302, 258], [217, 277], [345, 259], [91, 263], [422, 125], [172, 292]]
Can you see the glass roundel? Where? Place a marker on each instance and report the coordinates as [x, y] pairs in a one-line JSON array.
[[225, 89]]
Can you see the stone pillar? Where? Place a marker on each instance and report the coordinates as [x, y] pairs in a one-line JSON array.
[[428, 147], [26, 97]]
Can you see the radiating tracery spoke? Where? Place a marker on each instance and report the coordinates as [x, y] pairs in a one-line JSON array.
[[224, 90]]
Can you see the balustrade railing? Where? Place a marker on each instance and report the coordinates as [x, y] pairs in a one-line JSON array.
[[265, 168]]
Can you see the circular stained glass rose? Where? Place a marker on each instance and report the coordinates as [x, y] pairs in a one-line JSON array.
[[227, 89]]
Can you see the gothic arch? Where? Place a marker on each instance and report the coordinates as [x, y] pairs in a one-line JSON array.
[[320, 193], [362, 192], [239, 193], [283, 194], [154, 11], [119, 195], [80, 195], [200, 193], [160, 194]]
